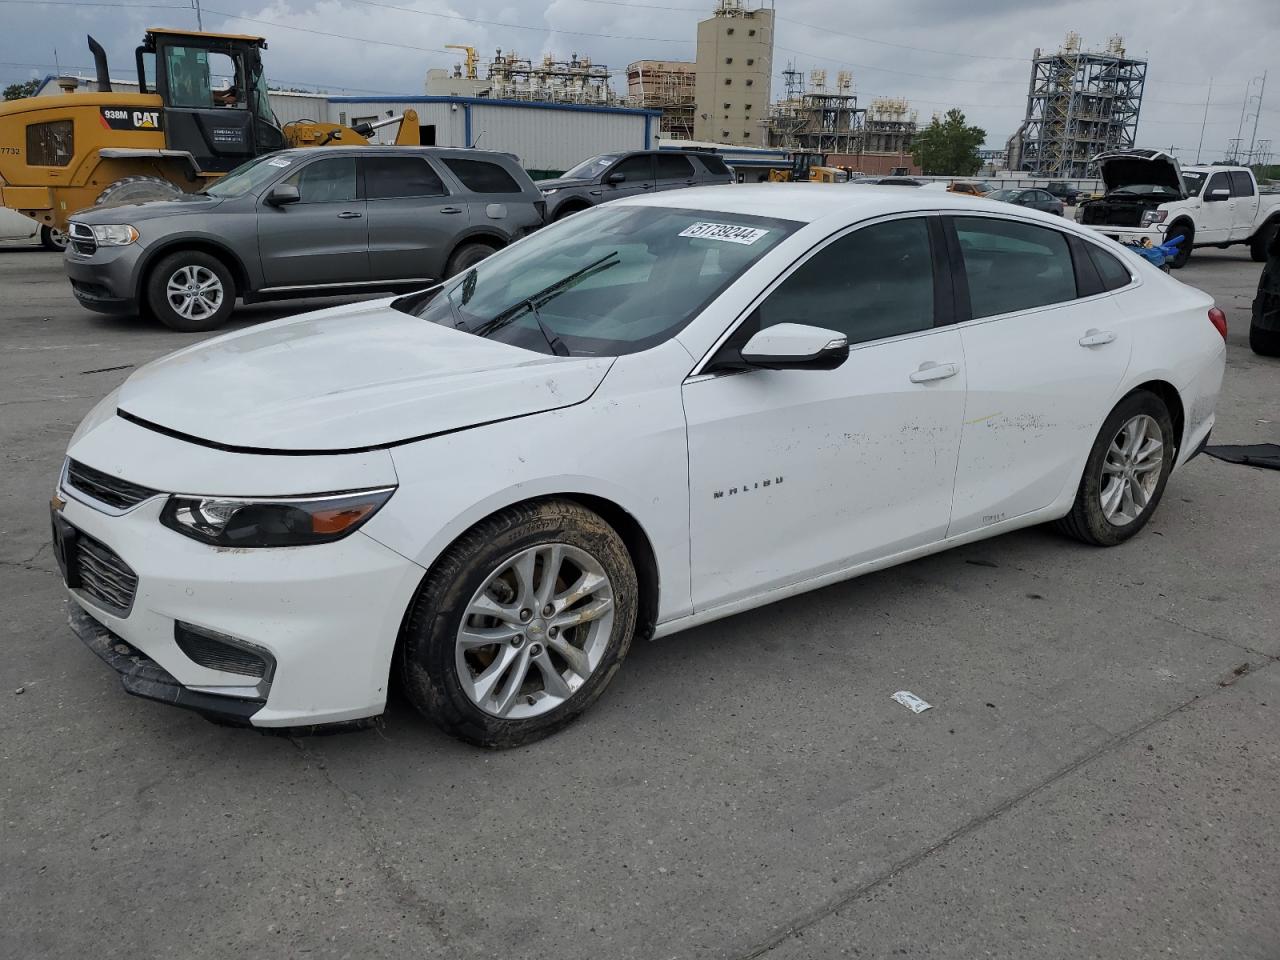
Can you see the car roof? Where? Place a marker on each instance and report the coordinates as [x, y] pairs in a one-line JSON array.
[[391, 148]]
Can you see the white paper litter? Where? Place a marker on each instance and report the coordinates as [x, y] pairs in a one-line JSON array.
[[911, 701]]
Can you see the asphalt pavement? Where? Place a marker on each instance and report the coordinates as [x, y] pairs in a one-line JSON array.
[[1097, 776]]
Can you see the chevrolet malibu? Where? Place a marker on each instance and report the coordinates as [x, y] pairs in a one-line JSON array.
[[663, 411]]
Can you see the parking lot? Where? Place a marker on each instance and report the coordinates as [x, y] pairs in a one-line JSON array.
[[1097, 777]]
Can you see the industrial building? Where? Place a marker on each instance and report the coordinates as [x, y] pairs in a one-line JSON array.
[[816, 120], [733, 72], [1079, 103], [667, 86]]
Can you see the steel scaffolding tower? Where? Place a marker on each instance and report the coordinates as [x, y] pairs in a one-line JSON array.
[[1080, 103]]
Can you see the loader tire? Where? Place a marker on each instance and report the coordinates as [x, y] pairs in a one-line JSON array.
[[136, 190]]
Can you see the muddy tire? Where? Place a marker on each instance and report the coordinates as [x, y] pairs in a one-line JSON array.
[[1262, 241], [1265, 343], [491, 630], [190, 291], [467, 256], [51, 238], [568, 211], [1188, 232], [136, 190], [1125, 475]]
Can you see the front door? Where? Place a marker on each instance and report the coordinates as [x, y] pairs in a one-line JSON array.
[[1043, 366], [412, 218], [637, 173], [322, 239], [799, 473]]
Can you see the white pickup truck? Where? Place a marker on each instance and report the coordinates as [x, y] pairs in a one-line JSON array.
[[1148, 195]]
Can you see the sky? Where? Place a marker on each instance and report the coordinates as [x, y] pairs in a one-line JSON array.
[[971, 54]]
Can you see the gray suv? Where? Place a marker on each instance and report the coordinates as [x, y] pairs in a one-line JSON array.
[[613, 175], [315, 221]]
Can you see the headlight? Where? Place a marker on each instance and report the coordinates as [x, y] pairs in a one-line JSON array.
[[1154, 216], [114, 235], [272, 521], [547, 193]]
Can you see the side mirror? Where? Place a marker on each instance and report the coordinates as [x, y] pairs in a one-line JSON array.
[[1221, 193], [796, 346], [282, 194], [614, 179]]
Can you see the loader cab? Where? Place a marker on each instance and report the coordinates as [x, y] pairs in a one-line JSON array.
[[214, 93]]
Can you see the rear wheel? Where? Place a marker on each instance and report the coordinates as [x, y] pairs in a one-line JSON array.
[[1265, 343], [467, 256], [1262, 240], [51, 238], [1125, 474], [191, 291], [521, 624], [136, 190], [1188, 233], [568, 211]]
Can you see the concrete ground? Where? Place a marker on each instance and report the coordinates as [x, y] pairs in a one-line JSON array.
[[1097, 777]]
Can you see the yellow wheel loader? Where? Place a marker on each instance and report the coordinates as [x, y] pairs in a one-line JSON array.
[[808, 167], [201, 110]]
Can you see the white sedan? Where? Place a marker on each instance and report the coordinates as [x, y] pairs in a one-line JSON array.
[[660, 412]]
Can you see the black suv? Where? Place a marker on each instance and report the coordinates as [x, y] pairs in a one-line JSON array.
[[613, 175]]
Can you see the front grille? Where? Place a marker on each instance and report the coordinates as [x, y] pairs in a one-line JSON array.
[[82, 238], [105, 488], [217, 652], [104, 576]]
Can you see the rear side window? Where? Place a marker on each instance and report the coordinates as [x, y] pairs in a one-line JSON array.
[[714, 165], [674, 167], [636, 168], [1114, 274], [873, 283], [481, 176], [332, 180], [387, 177], [1014, 266], [1241, 184], [50, 144]]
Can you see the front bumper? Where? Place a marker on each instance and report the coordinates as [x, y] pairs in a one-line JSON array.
[[327, 615], [105, 281], [1154, 233]]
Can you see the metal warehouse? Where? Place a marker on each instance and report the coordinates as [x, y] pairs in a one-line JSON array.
[[548, 138]]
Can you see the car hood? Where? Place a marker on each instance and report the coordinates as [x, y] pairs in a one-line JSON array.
[[1122, 168], [356, 377], [136, 213], [561, 184]]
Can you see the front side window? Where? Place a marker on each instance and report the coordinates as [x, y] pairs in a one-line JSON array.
[[387, 177], [609, 281], [332, 180], [1241, 184], [481, 176], [1014, 266], [873, 283], [590, 169], [635, 168], [1218, 181]]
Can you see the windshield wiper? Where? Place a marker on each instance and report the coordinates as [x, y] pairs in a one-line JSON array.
[[541, 298]]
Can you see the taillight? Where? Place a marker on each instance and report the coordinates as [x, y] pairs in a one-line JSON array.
[[1219, 321]]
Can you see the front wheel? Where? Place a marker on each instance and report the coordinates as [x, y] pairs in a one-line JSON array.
[[521, 624], [51, 238], [1125, 474], [191, 291], [1261, 241], [1184, 249]]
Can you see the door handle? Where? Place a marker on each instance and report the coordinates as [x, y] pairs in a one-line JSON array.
[[934, 371], [450, 209], [1096, 338], [350, 215], [648, 186]]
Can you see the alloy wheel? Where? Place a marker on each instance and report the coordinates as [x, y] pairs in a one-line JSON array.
[[194, 292], [1131, 469], [535, 632]]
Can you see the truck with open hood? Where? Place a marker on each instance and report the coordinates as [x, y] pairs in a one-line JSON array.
[[1148, 195]]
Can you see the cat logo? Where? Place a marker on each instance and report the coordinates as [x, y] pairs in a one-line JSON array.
[[146, 119]]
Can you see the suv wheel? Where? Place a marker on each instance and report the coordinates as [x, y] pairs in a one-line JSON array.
[[467, 256], [191, 291]]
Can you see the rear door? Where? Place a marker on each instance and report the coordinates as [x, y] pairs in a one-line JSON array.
[[413, 219], [673, 171], [495, 197], [1213, 222], [1045, 349], [637, 170], [323, 239], [1244, 200]]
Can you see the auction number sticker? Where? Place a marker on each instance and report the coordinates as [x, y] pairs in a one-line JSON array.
[[278, 162], [728, 232]]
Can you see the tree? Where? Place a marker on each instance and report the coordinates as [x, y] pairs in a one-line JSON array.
[[17, 91], [948, 147]]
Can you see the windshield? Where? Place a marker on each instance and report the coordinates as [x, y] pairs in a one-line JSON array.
[[248, 177], [1194, 181], [606, 282], [590, 169]]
